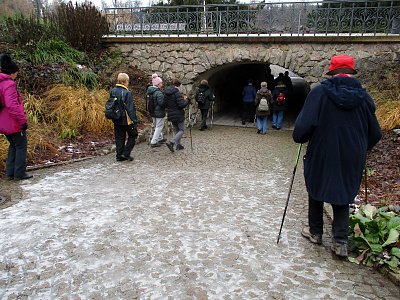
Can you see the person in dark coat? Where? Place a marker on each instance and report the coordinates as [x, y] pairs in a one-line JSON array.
[[13, 120], [156, 95], [262, 114], [175, 105], [338, 121], [248, 97], [270, 79], [279, 104], [127, 124], [208, 100]]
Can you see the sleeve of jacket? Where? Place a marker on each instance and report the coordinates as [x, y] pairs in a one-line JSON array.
[[131, 108], [12, 101], [308, 118], [258, 98], [374, 130], [180, 101], [160, 99]]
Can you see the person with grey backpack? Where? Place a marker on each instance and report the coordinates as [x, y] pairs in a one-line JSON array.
[[263, 104]]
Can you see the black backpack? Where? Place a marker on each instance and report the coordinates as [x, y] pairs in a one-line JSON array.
[[112, 110], [150, 105], [201, 98]]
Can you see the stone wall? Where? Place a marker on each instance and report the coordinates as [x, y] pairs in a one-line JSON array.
[[187, 61]]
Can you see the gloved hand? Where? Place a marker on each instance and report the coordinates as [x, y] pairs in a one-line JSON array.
[[24, 127]]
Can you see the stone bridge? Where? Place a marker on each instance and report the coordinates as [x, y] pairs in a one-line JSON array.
[[227, 62]]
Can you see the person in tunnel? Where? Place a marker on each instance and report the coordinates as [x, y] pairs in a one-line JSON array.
[[263, 103], [248, 96], [339, 123], [279, 104], [204, 98]]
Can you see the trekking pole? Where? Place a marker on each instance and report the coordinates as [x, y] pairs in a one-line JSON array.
[[190, 127], [365, 183], [290, 190], [212, 114]]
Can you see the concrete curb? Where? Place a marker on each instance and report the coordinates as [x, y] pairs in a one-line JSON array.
[[393, 277]]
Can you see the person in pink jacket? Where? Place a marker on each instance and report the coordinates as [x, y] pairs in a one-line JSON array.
[[13, 122]]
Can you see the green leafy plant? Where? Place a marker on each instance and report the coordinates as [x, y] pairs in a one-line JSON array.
[[80, 76], [374, 236]]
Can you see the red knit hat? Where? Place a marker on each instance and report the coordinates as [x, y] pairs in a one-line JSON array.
[[341, 64]]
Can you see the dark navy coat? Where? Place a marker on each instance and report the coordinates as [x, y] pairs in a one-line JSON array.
[[126, 104], [158, 97], [338, 121], [175, 104]]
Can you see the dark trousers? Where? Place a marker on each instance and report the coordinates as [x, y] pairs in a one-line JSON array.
[[204, 113], [340, 225], [248, 111], [16, 160], [120, 132]]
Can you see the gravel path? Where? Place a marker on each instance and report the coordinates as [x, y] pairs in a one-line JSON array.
[[198, 224]]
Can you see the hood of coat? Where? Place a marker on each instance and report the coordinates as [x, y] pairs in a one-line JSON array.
[[203, 88], [151, 89], [4, 77], [169, 90], [346, 92]]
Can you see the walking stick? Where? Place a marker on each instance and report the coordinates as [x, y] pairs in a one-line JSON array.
[[365, 183], [290, 190]]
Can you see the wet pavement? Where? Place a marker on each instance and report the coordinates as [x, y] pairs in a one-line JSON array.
[[198, 224]]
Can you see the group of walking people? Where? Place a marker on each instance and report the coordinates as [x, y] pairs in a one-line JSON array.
[[275, 93], [337, 121]]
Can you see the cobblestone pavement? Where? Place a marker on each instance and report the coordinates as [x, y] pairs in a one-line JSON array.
[[198, 224]]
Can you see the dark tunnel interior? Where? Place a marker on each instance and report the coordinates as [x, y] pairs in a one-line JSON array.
[[229, 80]]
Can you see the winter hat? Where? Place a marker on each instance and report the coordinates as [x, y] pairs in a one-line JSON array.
[[341, 64], [7, 65], [155, 79], [264, 84]]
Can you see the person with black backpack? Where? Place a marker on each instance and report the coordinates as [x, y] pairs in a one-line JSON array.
[[126, 124], [156, 107], [279, 104], [175, 105], [204, 98]]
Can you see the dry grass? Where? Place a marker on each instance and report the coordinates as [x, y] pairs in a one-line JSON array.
[[74, 110], [384, 88]]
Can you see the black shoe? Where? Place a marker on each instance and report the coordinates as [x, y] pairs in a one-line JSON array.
[[130, 158], [278, 128], [162, 141], [273, 126], [258, 131], [179, 147], [122, 158], [10, 177], [25, 176], [243, 123], [155, 145], [205, 127], [202, 129], [170, 146]]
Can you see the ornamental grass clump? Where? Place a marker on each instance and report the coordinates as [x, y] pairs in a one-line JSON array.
[[374, 236], [76, 110]]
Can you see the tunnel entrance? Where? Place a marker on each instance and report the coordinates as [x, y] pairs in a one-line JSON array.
[[228, 82]]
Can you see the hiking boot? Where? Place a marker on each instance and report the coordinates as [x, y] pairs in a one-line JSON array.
[[162, 141], [170, 146], [314, 238], [243, 123], [121, 158], [23, 177], [155, 145], [339, 249], [179, 147], [258, 131], [129, 158]]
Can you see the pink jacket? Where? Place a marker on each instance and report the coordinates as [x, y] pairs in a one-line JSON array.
[[12, 113]]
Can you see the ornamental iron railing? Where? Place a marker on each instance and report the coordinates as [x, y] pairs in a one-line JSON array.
[[283, 18]]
